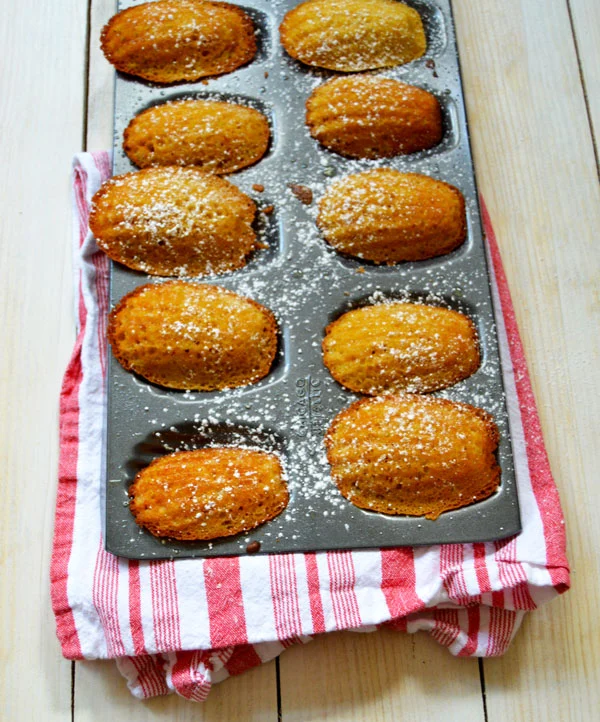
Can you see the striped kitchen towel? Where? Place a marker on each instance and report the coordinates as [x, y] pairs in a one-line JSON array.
[[180, 626]]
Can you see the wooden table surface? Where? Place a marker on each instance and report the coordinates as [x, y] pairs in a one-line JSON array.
[[533, 91]]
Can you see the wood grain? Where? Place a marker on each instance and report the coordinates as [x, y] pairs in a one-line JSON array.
[[585, 15], [386, 675], [251, 697], [41, 121], [536, 169]]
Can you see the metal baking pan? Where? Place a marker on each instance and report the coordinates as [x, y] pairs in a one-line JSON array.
[[307, 285]]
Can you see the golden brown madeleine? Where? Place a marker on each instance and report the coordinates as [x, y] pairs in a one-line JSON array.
[[386, 216], [215, 136], [400, 346], [174, 221], [208, 493], [173, 40], [362, 116], [352, 35], [413, 455], [192, 336]]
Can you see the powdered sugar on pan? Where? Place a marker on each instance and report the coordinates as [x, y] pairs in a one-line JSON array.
[[307, 284]]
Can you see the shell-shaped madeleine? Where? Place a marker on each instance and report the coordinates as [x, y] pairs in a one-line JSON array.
[[362, 116], [386, 216], [413, 455], [174, 40], [217, 137], [400, 346], [173, 221], [208, 493], [353, 35], [193, 336]]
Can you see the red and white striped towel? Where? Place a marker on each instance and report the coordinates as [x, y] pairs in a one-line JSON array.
[[180, 626]]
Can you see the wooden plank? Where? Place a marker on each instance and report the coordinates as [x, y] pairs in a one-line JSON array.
[[536, 169], [41, 86], [101, 81], [551, 671], [384, 676], [251, 697], [585, 15], [257, 689]]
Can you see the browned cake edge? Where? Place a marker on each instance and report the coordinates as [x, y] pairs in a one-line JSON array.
[[285, 42], [493, 437], [97, 230], [461, 238], [249, 47], [474, 336], [265, 136], [156, 530], [311, 125], [269, 356]]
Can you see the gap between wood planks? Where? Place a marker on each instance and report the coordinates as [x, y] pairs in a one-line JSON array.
[[86, 74], [72, 691], [278, 680], [84, 132], [482, 685], [584, 88]]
